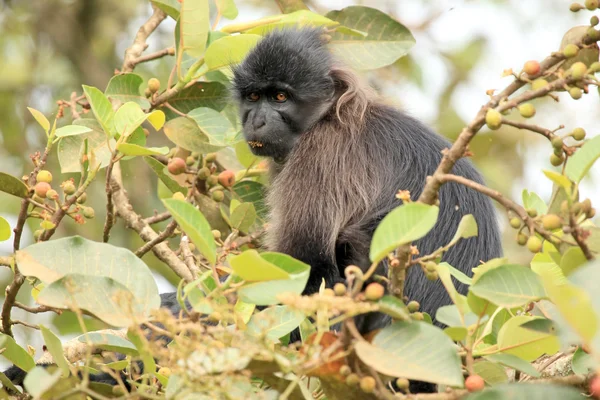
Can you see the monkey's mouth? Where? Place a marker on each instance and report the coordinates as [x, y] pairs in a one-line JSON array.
[[255, 144]]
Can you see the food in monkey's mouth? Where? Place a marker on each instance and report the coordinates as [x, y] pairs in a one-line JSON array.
[[255, 143]]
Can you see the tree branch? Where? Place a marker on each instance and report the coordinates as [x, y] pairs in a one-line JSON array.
[[133, 53]]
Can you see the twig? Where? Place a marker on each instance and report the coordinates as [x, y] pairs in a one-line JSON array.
[[110, 209], [538, 129], [169, 51], [27, 324], [188, 257], [158, 218], [133, 53], [134, 221], [7, 261], [577, 235], [36, 310], [73, 104], [158, 239]]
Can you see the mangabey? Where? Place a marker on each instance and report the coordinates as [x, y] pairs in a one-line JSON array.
[[339, 156]]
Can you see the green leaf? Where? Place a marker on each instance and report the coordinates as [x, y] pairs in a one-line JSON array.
[[55, 348], [202, 94], [69, 148], [415, 351], [5, 230], [195, 225], [274, 322], [288, 6], [229, 50], [559, 179], [251, 267], [583, 363], [243, 217], [244, 154], [101, 108], [104, 297], [386, 42], [529, 391], [71, 130], [459, 275], [128, 117], [524, 343], [445, 278], [402, 225], [514, 362], [303, 17], [38, 381], [265, 292], [186, 133], [492, 373], [532, 200], [126, 88], [109, 342], [214, 125], [509, 286], [11, 185], [572, 259], [15, 353], [543, 325], [580, 163], [227, 8], [142, 347], [7, 383], [50, 261], [170, 7], [254, 192], [394, 307], [466, 228], [456, 333], [194, 26], [135, 150], [159, 170], [40, 118], [587, 278]]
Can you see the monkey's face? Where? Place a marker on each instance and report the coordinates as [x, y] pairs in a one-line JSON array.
[[274, 118]]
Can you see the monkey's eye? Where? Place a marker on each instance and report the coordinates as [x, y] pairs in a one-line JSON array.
[[253, 96], [280, 97]]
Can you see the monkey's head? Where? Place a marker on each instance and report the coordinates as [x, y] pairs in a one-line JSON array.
[[283, 87]]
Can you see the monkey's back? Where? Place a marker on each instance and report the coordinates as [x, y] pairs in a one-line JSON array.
[[413, 151]]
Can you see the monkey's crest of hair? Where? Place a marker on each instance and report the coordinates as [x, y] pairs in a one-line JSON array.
[[299, 59]]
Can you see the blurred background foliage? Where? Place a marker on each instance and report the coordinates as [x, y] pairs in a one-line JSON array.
[[49, 48]]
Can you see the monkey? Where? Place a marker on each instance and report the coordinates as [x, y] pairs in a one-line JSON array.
[[338, 155]]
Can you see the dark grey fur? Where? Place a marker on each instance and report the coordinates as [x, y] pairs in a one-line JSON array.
[[341, 156]]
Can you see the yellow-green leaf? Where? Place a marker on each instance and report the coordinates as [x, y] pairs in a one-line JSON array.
[[195, 225], [40, 118], [11, 185], [5, 231], [402, 225], [251, 267], [524, 343], [54, 346], [580, 163], [194, 26], [101, 108], [229, 50], [135, 150]]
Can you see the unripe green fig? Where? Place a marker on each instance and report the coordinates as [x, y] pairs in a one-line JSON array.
[[68, 187], [551, 222], [413, 306], [522, 239], [352, 380], [575, 93], [189, 161], [532, 212], [203, 173], [178, 196], [534, 244], [417, 316], [52, 194], [576, 7], [527, 110], [339, 289], [570, 50], [556, 160], [594, 20], [515, 222], [211, 157], [595, 67], [153, 85], [557, 142], [432, 276], [493, 119], [402, 383], [216, 234], [88, 212], [538, 84], [578, 133], [591, 4], [578, 70], [44, 176], [212, 181], [82, 199], [218, 195]]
